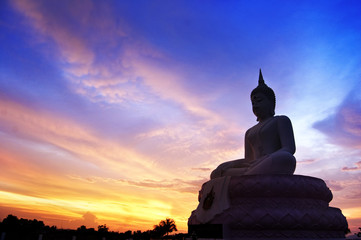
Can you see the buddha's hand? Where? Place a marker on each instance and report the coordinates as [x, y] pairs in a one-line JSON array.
[[240, 163]]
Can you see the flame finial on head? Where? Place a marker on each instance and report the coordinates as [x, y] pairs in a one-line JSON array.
[[260, 78]]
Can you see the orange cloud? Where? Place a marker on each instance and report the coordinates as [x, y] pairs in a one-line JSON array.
[[42, 159], [73, 138]]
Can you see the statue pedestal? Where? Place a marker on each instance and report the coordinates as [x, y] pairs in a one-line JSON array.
[[266, 207]]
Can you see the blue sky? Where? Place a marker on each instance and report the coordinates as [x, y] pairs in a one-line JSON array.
[[131, 100]]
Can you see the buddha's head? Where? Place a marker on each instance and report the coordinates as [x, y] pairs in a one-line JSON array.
[[263, 100]]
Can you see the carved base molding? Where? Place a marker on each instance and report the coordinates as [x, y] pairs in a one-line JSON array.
[[275, 207]]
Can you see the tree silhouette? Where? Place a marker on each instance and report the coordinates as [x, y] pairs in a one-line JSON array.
[[165, 227], [11, 223], [103, 228], [16, 229], [82, 228]]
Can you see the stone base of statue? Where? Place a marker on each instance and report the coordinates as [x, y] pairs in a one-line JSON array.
[[266, 207]]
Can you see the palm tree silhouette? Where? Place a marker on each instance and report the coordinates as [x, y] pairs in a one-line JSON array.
[[165, 227]]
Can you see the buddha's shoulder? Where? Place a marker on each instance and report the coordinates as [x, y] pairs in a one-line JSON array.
[[276, 120], [281, 118]]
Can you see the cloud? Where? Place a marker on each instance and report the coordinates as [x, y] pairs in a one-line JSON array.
[[131, 71], [355, 194], [346, 187], [306, 161], [71, 137], [88, 219], [90, 45], [177, 185], [335, 185], [344, 126], [189, 186], [115, 66], [202, 169], [72, 48], [358, 167]]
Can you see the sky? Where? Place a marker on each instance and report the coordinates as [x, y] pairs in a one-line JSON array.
[[116, 112]]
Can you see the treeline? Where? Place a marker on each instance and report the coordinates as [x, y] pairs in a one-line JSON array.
[[13, 228]]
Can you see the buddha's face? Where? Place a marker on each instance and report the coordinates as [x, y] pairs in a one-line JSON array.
[[261, 106]]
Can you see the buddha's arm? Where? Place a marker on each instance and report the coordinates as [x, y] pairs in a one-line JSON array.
[[286, 135], [248, 151]]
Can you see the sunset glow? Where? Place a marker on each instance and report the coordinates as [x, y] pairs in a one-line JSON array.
[[116, 112]]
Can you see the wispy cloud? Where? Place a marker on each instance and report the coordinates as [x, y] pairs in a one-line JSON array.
[[306, 161], [358, 167], [177, 185], [335, 185], [71, 137], [73, 50], [202, 169], [344, 126], [134, 72]]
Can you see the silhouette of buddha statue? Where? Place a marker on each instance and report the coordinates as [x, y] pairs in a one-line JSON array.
[[269, 145]]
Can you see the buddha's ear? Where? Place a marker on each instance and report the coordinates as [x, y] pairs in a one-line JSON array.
[[272, 110]]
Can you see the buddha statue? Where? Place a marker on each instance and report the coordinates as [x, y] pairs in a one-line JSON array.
[[269, 145], [258, 197]]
